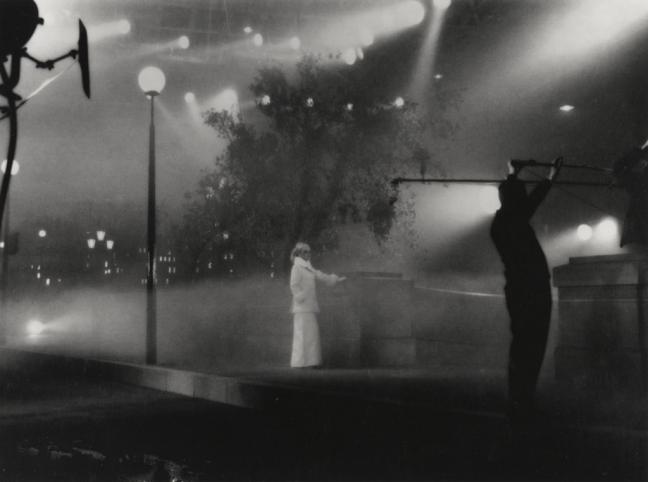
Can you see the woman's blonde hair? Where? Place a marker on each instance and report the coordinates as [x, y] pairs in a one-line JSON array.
[[298, 250]]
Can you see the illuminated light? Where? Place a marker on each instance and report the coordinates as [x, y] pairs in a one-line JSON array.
[[295, 43], [410, 13], [349, 56], [360, 53], [310, 102], [151, 79], [101, 235], [265, 100], [584, 232], [1, 244], [190, 97], [438, 76], [567, 108], [607, 230], [349, 107], [106, 30], [399, 102], [247, 29], [257, 39], [35, 328], [38, 275], [42, 233], [366, 37], [489, 199], [229, 98], [442, 4], [91, 243], [110, 243], [183, 42], [226, 236], [123, 26], [15, 167], [48, 282]]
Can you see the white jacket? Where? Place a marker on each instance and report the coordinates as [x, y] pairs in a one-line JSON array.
[[302, 286]]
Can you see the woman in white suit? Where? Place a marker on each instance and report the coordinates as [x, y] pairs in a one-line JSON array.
[[306, 347]]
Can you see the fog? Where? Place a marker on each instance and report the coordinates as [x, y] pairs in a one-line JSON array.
[[79, 155]]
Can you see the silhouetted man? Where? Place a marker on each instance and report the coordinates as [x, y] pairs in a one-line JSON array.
[[527, 290]]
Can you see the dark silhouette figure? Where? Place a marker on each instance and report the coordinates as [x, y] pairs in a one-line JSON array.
[[527, 290]]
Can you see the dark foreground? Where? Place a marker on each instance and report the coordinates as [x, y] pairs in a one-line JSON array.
[[76, 429]]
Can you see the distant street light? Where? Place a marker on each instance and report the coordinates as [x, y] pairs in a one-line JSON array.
[[42, 233], [151, 81]]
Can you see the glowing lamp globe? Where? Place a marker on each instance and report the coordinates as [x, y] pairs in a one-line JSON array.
[[15, 167], [349, 56], [584, 232], [295, 43], [399, 102], [42, 233], [257, 39], [124, 26], [183, 42], [151, 80], [412, 13], [607, 230], [190, 97]]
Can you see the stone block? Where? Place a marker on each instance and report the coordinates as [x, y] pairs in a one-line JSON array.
[[180, 382], [211, 388], [602, 304]]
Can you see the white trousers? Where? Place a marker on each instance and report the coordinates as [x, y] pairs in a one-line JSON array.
[[306, 348]]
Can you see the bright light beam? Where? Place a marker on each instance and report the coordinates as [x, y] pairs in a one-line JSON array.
[[425, 65], [572, 36], [107, 30]]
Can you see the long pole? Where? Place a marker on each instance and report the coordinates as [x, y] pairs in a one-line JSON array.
[[151, 304], [4, 192], [401, 180], [4, 277]]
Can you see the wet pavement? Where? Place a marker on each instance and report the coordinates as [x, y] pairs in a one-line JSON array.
[[349, 425]]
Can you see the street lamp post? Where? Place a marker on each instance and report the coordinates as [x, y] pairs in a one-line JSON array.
[[4, 276], [151, 81]]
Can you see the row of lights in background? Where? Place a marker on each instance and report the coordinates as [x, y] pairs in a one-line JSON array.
[[605, 231]]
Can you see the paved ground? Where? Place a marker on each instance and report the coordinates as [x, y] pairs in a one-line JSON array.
[[75, 429]]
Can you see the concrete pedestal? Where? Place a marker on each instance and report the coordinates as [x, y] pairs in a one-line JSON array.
[[602, 326]]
